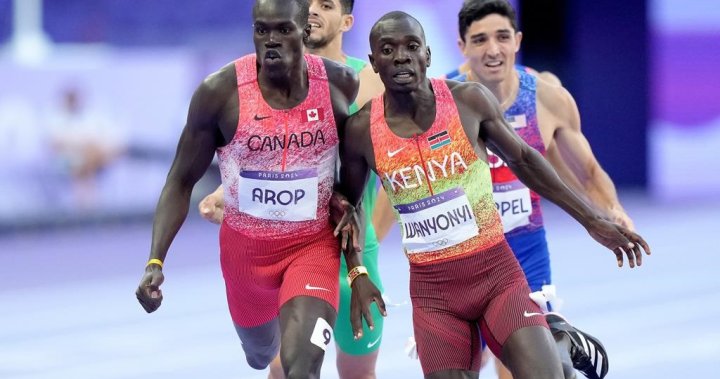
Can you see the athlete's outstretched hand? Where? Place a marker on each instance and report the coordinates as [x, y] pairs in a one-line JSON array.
[[344, 216], [212, 207], [620, 240], [364, 292], [148, 293]]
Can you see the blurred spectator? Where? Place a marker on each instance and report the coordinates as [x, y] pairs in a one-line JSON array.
[[85, 142]]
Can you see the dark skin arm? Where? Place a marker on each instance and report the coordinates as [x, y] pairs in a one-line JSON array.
[[343, 89], [482, 118], [364, 291], [355, 150], [195, 150]]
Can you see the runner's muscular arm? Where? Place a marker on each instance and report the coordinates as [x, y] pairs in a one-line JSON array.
[[343, 89], [570, 145], [354, 169], [194, 153], [382, 217], [533, 170], [354, 173], [528, 164]]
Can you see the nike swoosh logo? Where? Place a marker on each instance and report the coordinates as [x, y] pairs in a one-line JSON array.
[[394, 153], [530, 314], [373, 343], [258, 118], [311, 288]]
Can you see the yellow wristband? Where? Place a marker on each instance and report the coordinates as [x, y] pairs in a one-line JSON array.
[[155, 261], [355, 272]]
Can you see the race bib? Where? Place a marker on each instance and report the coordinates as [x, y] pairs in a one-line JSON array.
[[281, 196], [512, 200], [322, 334], [437, 222]]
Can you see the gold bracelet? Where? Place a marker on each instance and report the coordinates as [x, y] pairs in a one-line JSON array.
[[155, 261], [355, 272]]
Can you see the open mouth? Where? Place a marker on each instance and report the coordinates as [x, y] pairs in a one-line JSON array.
[[272, 56], [493, 64], [314, 23], [404, 76]]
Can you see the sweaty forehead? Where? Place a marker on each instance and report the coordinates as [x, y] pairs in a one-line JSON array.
[[397, 29]]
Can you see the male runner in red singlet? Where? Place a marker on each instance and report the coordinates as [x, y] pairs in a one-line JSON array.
[[427, 141], [271, 116], [355, 358]]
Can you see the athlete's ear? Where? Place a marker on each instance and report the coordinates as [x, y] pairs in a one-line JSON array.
[[461, 46], [348, 21], [371, 59], [518, 39], [429, 55]]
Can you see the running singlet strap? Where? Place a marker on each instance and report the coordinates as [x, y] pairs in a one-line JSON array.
[[440, 189], [278, 170]]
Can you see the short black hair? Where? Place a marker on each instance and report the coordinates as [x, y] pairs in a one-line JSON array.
[[396, 15], [347, 6], [473, 10], [301, 18]]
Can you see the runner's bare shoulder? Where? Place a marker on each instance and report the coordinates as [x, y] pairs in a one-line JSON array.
[[216, 90], [342, 77], [471, 95]]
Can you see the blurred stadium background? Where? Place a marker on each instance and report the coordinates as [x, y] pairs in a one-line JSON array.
[[93, 96]]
